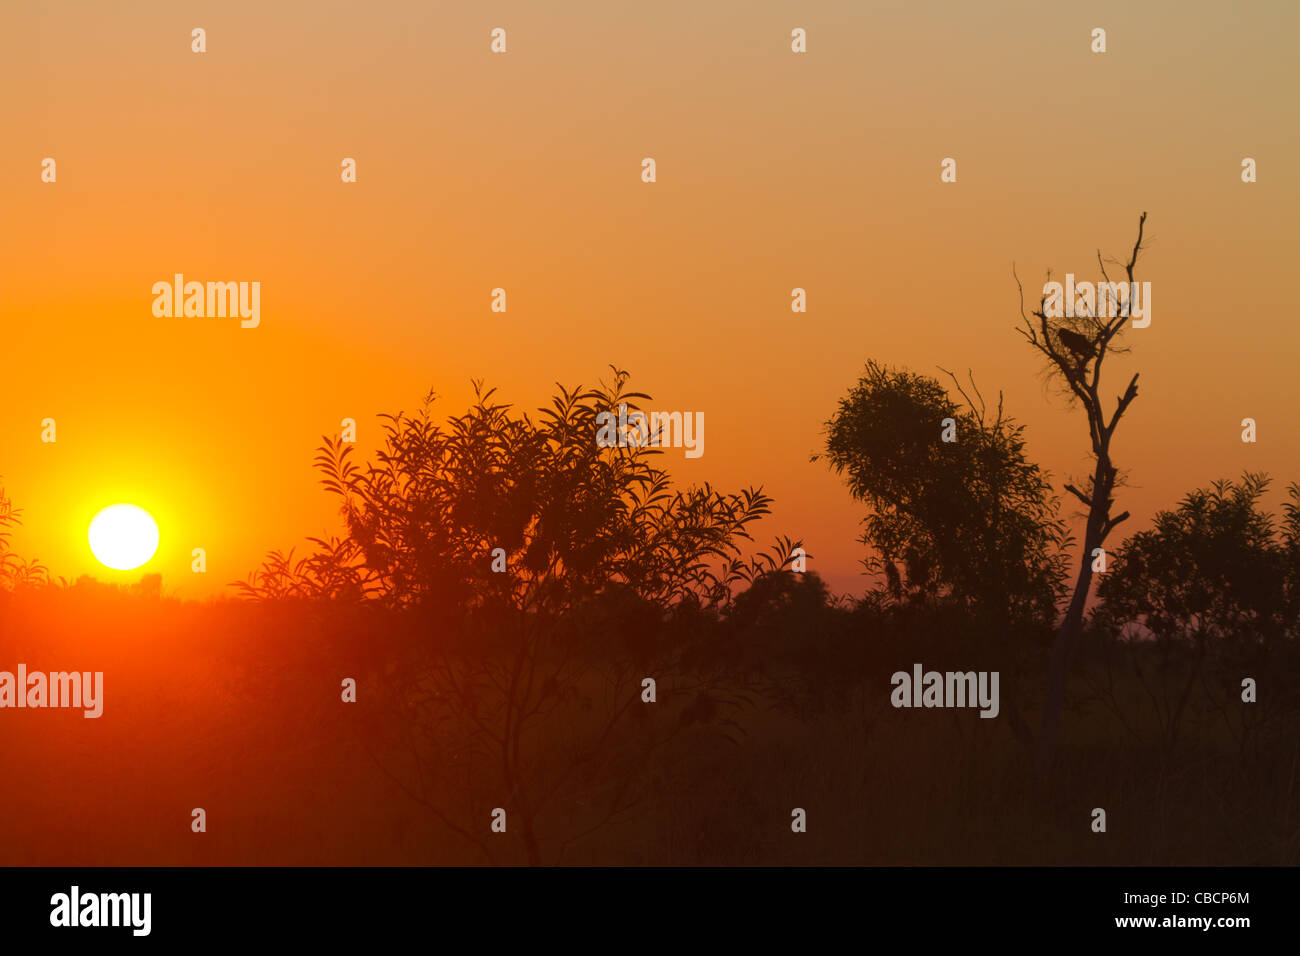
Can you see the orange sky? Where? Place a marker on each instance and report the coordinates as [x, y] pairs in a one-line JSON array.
[[522, 171]]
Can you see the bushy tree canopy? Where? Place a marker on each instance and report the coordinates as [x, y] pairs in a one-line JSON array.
[[972, 520], [1217, 566], [573, 518]]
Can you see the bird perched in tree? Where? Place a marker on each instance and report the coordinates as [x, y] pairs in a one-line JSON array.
[[1083, 348]]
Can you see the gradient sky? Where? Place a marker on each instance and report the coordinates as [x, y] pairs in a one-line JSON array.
[[522, 171]]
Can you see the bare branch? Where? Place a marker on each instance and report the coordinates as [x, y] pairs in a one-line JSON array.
[[1086, 499], [1122, 516]]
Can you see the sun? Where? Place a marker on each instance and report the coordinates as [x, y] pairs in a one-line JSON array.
[[123, 537]]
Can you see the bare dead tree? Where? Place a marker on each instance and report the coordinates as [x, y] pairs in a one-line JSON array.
[[1069, 351]]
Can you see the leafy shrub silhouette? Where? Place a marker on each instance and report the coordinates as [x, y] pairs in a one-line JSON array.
[[1208, 596], [524, 685], [16, 572]]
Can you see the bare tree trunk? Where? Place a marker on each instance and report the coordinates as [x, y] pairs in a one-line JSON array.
[[1051, 340], [1067, 635]]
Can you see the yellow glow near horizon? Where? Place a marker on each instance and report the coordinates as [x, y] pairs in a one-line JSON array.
[[123, 537]]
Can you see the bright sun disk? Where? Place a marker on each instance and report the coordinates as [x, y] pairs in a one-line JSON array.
[[123, 537]]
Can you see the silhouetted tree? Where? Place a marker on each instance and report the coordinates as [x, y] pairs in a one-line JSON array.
[[1210, 584], [1215, 568], [1068, 351], [972, 521], [537, 572]]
